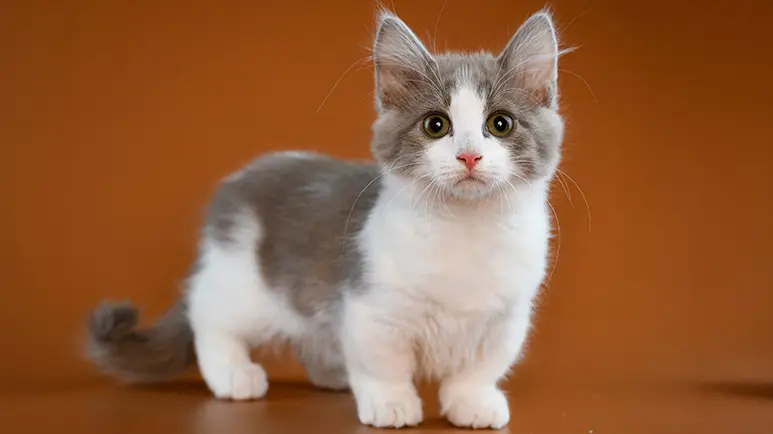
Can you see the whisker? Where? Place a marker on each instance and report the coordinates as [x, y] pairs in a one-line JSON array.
[[574, 19], [522, 179], [507, 196], [437, 23], [349, 216], [386, 208], [418, 199], [340, 78], [558, 243], [585, 200], [501, 194], [564, 187], [431, 207], [367, 94], [593, 94], [429, 188], [446, 209]]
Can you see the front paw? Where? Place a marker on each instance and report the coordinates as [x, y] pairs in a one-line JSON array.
[[469, 407], [385, 406]]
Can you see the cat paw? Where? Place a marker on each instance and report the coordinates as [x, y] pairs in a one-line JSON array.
[[476, 408], [389, 407], [242, 383]]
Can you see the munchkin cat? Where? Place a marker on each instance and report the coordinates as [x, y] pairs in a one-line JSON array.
[[422, 264]]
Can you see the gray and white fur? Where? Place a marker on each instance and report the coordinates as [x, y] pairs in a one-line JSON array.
[[423, 263]]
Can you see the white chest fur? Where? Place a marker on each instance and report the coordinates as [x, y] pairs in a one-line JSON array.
[[442, 273]]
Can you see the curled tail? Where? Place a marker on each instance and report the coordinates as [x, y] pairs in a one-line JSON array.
[[149, 354]]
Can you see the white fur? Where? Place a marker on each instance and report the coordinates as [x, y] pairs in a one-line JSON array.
[[495, 168], [448, 293], [231, 311], [450, 298], [451, 285]]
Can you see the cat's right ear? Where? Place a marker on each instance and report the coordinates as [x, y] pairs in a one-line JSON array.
[[401, 61]]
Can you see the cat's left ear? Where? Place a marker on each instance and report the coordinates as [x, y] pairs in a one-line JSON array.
[[402, 62], [530, 59]]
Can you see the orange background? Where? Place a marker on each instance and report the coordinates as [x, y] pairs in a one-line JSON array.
[[119, 118]]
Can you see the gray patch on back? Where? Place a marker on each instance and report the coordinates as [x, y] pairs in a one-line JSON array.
[[309, 210]]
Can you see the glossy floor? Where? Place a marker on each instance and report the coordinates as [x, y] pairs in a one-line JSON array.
[[294, 407]]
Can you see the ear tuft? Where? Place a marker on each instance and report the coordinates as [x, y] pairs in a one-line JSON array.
[[530, 59], [401, 60]]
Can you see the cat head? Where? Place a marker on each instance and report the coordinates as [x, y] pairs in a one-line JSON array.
[[471, 124]]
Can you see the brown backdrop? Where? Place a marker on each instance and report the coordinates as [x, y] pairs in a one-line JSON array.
[[119, 117]]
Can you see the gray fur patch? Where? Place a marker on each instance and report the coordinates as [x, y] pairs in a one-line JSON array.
[[310, 208], [139, 355]]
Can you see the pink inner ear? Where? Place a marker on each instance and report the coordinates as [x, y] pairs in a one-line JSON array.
[[533, 51], [400, 59], [398, 76], [390, 84], [535, 75], [542, 93], [538, 76]]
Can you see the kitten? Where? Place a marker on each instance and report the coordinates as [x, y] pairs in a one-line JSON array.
[[423, 264]]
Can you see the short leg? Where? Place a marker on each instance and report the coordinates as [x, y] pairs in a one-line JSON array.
[[231, 310], [320, 353], [225, 364], [381, 364], [470, 398], [325, 377]]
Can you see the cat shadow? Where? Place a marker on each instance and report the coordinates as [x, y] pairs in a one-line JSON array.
[[190, 387], [753, 390], [278, 390], [215, 412]]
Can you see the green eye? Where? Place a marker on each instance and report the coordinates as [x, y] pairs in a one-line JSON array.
[[500, 124], [436, 126]]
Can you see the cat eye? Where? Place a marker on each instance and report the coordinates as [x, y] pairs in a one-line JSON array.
[[436, 125], [500, 124]]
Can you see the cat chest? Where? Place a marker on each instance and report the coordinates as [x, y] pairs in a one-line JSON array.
[[479, 268]]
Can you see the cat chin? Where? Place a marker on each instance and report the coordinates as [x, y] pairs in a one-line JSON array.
[[470, 190], [479, 190]]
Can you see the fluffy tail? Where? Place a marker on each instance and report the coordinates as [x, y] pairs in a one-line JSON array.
[[150, 354]]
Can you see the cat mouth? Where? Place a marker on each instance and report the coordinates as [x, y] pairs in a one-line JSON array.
[[470, 179]]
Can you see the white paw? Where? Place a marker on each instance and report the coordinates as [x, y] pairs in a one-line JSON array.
[[242, 382], [389, 407], [476, 408]]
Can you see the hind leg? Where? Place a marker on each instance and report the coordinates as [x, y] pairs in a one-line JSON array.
[[225, 364], [231, 311], [327, 377], [320, 354]]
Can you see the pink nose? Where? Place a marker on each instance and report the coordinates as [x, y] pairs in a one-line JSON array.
[[470, 159]]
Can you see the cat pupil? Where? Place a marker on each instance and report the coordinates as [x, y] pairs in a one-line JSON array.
[[436, 125], [500, 123]]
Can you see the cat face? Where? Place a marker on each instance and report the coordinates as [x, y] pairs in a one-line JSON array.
[[470, 125]]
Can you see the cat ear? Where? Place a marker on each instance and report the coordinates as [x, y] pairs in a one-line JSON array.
[[530, 59], [402, 62]]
